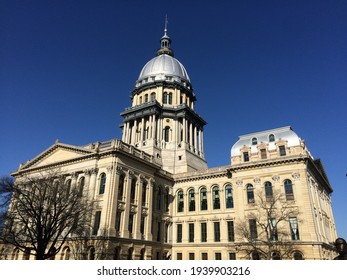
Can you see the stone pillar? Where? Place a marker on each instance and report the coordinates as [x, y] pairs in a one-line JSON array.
[[126, 193], [190, 134], [110, 193], [148, 224], [137, 222], [184, 138], [150, 127], [142, 130], [195, 140], [133, 133], [154, 128], [92, 184]]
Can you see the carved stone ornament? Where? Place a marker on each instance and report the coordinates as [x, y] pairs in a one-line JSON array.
[[144, 212], [256, 181], [87, 172], [296, 176], [94, 170], [109, 168], [133, 209], [276, 178], [121, 206], [239, 183]]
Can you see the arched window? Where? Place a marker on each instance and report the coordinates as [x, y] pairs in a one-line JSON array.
[[254, 141], [298, 255], [140, 100], [146, 98], [180, 201], [68, 187], [288, 189], [144, 193], [133, 190], [215, 197], [121, 187], [152, 96], [191, 200], [268, 191], [167, 134], [170, 98], [81, 186], [271, 138], [203, 199], [130, 254], [102, 183], [165, 97], [91, 255], [229, 200], [142, 254], [250, 193], [255, 255], [276, 256], [117, 253], [66, 253]]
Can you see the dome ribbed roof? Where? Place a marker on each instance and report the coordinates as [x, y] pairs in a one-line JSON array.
[[164, 66]]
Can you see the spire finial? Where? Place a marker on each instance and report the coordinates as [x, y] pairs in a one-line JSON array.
[[165, 29], [165, 42]]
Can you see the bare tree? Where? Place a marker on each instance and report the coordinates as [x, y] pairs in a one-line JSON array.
[[6, 190], [44, 211], [265, 230]]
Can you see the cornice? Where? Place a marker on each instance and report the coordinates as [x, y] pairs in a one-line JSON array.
[[265, 163]]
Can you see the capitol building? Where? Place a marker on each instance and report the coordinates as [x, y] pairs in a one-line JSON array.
[[155, 197]]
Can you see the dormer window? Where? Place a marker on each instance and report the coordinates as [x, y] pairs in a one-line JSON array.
[[245, 156], [254, 141], [282, 150], [271, 138]]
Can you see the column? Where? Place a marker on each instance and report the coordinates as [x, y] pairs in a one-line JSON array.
[[142, 130], [184, 130], [91, 188], [148, 224], [126, 193], [154, 127], [133, 133], [150, 127], [195, 140], [137, 222], [190, 134]]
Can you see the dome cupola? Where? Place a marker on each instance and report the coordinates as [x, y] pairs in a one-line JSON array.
[[164, 67]]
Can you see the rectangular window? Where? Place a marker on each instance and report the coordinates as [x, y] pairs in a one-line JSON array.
[[231, 235], [179, 233], [130, 223], [216, 231], [204, 256], [159, 231], [253, 228], [191, 256], [245, 156], [232, 256], [179, 256], [294, 229], [96, 222], [203, 232], [273, 229], [191, 233], [282, 150], [142, 226], [263, 154], [118, 220], [218, 256]]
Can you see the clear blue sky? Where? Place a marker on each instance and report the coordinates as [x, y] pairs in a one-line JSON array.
[[67, 69]]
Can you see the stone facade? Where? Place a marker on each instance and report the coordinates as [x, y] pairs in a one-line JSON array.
[[155, 197]]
